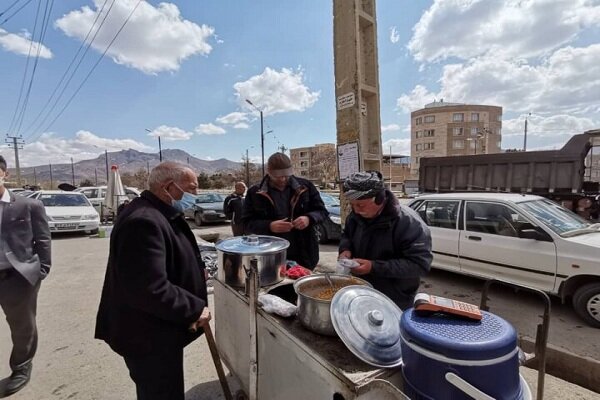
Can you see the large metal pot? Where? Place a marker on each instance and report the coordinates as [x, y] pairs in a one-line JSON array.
[[314, 299], [237, 253]]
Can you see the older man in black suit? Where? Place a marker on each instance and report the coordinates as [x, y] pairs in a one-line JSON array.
[[24, 262], [154, 300]]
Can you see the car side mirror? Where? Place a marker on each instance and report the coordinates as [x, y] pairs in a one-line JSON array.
[[535, 234]]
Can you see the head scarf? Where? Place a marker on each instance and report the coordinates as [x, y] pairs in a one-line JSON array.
[[363, 185]]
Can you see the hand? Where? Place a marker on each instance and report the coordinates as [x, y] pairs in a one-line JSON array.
[[364, 267], [204, 318], [345, 254], [281, 226], [301, 223]]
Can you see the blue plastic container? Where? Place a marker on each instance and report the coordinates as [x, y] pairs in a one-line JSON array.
[[445, 358]]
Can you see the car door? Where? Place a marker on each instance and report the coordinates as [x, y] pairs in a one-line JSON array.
[[441, 216], [490, 246]]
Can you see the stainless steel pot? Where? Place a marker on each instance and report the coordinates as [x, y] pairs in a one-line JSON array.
[[314, 299], [235, 255]]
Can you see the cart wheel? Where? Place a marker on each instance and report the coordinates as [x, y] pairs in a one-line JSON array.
[[240, 395]]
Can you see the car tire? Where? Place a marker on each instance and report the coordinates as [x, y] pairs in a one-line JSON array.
[[198, 218], [586, 303], [94, 231], [321, 234]]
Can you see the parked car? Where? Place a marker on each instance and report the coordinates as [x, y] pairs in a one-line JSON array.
[[68, 211], [524, 239], [96, 195], [207, 209], [331, 228]]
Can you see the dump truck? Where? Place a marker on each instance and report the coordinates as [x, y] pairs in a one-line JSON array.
[[569, 176]]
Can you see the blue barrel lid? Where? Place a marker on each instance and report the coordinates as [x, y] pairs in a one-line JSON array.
[[458, 338]]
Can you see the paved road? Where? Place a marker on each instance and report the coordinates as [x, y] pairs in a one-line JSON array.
[[72, 365]]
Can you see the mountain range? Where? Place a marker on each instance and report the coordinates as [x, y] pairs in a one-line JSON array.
[[128, 161]]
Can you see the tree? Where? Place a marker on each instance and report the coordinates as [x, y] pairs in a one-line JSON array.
[[86, 182], [203, 181], [323, 165]]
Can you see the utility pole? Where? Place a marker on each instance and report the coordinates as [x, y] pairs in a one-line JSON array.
[[72, 172], [390, 168], [96, 175], [17, 143], [159, 150], [525, 135], [51, 181], [106, 160], [34, 177], [148, 167], [247, 169]]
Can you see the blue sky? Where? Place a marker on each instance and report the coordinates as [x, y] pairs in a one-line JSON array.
[[183, 69]]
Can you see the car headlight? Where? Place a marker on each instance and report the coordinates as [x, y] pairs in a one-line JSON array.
[[335, 219], [91, 216]]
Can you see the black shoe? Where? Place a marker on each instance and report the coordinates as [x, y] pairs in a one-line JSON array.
[[18, 380]]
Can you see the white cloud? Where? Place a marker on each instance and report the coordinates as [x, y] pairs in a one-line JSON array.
[[50, 148], [510, 28], [276, 92], [394, 36], [548, 126], [209, 129], [390, 128], [399, 146], [170, 133], [233, 118], [241, 125], [568, 81], [155, 39], [21, 44]]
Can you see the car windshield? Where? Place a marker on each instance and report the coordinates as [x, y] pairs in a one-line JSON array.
[[330, 200], [556, 217], [64, 200], [209, 198]]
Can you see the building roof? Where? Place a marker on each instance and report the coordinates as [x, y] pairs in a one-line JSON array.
[[441, 103]]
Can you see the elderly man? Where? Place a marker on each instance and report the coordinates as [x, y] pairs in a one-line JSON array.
[[24, 262], [233, 205], [391, 244], [286, 206], [154, 297]]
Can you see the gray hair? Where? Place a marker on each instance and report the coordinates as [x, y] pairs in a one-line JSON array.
[[167, 171]]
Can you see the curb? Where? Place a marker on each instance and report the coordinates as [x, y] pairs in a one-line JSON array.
[[580, 370]]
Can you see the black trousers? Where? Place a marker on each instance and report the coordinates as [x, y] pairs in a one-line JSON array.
[[18, 299], [158, 376]]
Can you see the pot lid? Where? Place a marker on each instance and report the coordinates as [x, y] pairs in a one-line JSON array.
[[252, 244], [368, 323]]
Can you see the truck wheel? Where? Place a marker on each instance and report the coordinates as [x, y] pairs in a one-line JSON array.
[[586, 303], [198, 219]]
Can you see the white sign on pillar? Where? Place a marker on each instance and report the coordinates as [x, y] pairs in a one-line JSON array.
[[348, 161], [346, 101]]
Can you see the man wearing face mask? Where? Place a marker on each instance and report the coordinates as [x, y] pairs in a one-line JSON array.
[[24, 262], [286, 206], [389, 241], [154, 300]]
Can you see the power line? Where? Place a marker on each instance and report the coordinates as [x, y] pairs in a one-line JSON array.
[[92, 70], [15, 13], [28, 130], [9, 7]]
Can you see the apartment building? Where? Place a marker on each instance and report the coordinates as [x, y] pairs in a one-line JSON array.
[[316, 163], [454, 129]]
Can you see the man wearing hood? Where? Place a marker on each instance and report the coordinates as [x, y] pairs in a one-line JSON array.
[[390, 242], [286, 206]]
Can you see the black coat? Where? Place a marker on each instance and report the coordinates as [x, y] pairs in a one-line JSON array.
[[233, 206], [154, 286], [397, 242], [260, 210]]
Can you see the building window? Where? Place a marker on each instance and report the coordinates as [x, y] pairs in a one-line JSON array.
[[458, 117], [457, 131], [304, 154], [304, 164], [475, 117], [429, 119], [499, 118], [458, 144], [472, 144], [417, 159], [419, 134], [428, 146], [429, 133], [473, 131], [303, 173], [419, 121], [419, 147]]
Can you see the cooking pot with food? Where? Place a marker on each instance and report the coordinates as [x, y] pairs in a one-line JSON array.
[[314, 299], [236, 254]]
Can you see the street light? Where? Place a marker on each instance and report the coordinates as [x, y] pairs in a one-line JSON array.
[[476, 139], [159, 146], [248, 167], [525, 134], [262, 135]]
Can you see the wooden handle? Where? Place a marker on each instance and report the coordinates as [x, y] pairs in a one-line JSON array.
[[217, 360]]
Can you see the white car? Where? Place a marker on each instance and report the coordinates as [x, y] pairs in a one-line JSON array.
[[524, 239], [68, 211], [97, 194]]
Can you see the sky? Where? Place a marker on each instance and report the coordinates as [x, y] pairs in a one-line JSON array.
[[113, 75]]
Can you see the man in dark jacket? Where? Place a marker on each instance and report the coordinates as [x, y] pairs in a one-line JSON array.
[[389, 241], [233, 206], [24, 262], [154, 298], [286, 206]]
